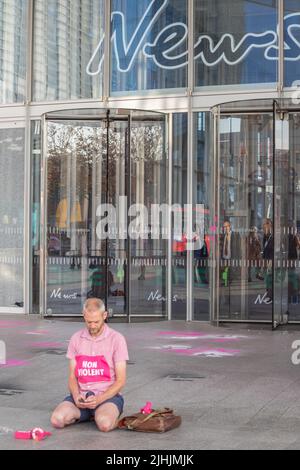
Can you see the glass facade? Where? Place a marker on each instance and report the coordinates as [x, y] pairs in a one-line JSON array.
[[291, 39], [13, 40], [67, 49], [106, 101], [12, 144], [154, 28], [232, 40]]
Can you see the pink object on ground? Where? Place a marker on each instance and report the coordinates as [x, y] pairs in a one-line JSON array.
[[37, 434], [25, 435], [147, 410]]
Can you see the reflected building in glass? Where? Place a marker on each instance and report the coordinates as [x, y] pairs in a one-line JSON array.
[[165, 111]]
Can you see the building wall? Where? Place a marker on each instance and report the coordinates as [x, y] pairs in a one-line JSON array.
[[181, 57]]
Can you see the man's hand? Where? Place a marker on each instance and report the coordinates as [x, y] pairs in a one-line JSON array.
[[91, 402], [80, 402]]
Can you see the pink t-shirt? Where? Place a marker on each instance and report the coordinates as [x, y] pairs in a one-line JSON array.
[[96, 358]]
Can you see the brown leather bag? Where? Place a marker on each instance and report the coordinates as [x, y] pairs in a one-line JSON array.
[[158, 421]]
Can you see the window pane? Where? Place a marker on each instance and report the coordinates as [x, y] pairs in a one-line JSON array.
[[246, 241], [68, 49], [150, 29], [148, 188], [12, 50], [231, 42], [203, 231], [36, 212], [292, 41], [11, 217], [179, 177]]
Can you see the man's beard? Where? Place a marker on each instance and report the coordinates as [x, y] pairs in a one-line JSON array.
[[94, 331]]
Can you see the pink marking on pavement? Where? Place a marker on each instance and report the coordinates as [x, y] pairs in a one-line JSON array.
[[14, 363], [223, 340], [39, 332], [181, 333], [213, 352], [13, 324], [45, 344]]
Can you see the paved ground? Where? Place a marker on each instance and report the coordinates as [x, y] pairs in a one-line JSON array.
[[235, 387]]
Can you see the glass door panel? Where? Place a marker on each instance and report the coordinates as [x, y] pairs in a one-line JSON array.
[[85, 256], [76, 186], [98, 167], [148, 192], [244, 218], [281, 218], [293, 211]]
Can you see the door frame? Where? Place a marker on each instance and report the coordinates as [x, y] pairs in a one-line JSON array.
[[111, 115], [279, 109]]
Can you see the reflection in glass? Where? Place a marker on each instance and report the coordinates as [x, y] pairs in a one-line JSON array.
[[140, 68], [246, 247], [226, 25], [291, 39], [148, 187], [287, 282], [82, 177], [201, 185], [179, 196], [66, 36], [36, 213], [13, 29], [12, 147], [91, 167]]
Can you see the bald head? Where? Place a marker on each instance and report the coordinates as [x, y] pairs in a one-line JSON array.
[[91, 305], [94, 314]]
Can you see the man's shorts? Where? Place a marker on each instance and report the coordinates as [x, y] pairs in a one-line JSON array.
[[87, 415]]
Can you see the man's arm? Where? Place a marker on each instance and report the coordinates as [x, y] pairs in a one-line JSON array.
[[115, 388], [73, 384]]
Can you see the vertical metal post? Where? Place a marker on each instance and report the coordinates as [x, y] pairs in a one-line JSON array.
[[274, 320], [128, 194], [107, 202], [215, 222], [170, 202], [190, 172], [27, 239], [43, 226]]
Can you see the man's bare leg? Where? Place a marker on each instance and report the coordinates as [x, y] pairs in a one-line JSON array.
[[106, 417], [65, 414]]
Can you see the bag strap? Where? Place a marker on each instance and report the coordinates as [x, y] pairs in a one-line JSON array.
[[151, 415]]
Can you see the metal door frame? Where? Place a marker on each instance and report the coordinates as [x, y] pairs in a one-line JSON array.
[[119, 115], [278, 108]]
